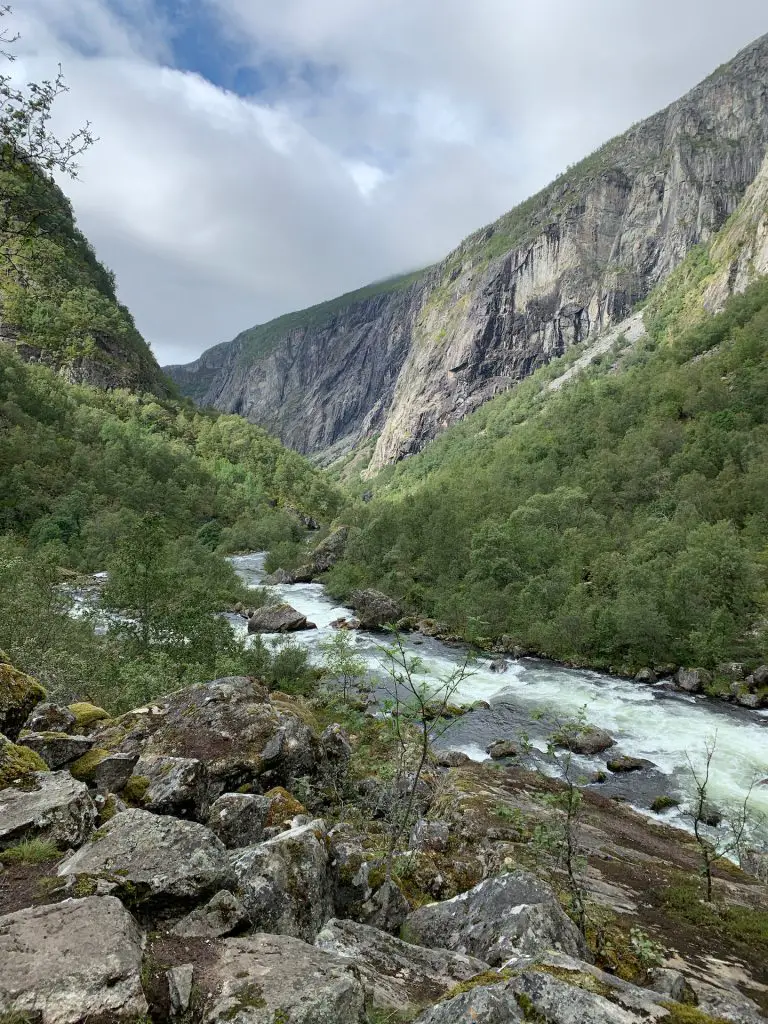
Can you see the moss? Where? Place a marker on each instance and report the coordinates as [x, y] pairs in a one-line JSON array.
[[249, 997], [84, 886], [478, 981], [663, 803], [84, 767], [136, 788], [87, 715], [529, 1011], [18, 764], [19, 694], [282, 806], [30, 851], [680, 1014], [109, 810]]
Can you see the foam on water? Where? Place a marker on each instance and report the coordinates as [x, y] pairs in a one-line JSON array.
[[646, 721]]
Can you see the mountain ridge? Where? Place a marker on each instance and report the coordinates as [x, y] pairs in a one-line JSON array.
[[396, 368]]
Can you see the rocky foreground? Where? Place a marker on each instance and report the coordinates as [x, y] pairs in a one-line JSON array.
[[219, 857]]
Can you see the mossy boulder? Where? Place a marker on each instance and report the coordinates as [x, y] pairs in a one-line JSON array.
[[105, 770], [87, 716], [282, 807], [18, 764], [19, 695]]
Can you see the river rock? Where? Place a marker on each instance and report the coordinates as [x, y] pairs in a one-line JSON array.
[[70, 962], [264, 979], [279, 577], [451, 758], [502, 748], [499, 665], [585, 740], [238, 819], [500, 918], [222, 915], [397, 975], [692, 680], [285, 883], [346, 623], [55, 807], [177, 786], [163, 865], [623, 763], [56, 748], [374, 609], [646, 675], [19, 694], [277, 618], [748, 699], [48, 717]]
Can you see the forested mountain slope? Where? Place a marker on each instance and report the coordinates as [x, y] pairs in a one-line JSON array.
[[620, 521], [397, 364]]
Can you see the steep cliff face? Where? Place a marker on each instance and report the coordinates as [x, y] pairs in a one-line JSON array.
[[415, 357]]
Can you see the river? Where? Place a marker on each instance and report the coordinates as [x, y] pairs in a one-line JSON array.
[[650, 722]]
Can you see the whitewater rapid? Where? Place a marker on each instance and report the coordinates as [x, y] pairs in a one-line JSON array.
[[650, 722]]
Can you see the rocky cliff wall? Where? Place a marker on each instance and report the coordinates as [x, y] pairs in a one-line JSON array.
[[404, 364]]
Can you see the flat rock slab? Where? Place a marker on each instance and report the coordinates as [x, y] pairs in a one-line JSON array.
[[498, 919], [267, 978], [396, 974], [58, 809], [71, 962], [56, 748], [159, 862]]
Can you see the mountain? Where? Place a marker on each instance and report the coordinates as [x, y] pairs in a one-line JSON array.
[[395, 364], [58, 304]]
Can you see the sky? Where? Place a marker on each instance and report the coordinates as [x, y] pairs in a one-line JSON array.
[[259, 156]]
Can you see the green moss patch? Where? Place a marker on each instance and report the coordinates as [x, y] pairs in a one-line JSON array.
[[19, 694], [87, 715], [84, 767], [18, 764]]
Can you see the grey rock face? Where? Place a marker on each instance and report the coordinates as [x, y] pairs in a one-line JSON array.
[[112, 773], [56, 748], [350, 871], [492, 1005], [238, 819], [408, 361], [500, 918], [222, 915], [395, 974], [160, 863], [285, 884], [72, 961], [265, 978], [48, 717], [692, 680], [177, 786], [59, 810], [277, 618], [374, 609]]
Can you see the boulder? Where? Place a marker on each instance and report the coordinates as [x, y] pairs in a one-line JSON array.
[[88, 717], [760, 675], [329, 551], [70, 962], [264, 979], [161, 865], [47, 717], [731, 670], [622, 763], [397, 975], [54, 807], [585, 740], [350, 871], [19, 694], [285, 883], [278, 578], [430, 835], [387, 908], [282, 809], [451, 758], [646, 675], [222, 915], [692, 680], [500, 749], [499, 665], [500, 918], [336, 745], [346, 623], [105, 771], [671, 984], [176, 785], [18, 765], [238, 819], [374, 609], [244, 738], [494, 1004], [277, 618], [549, 997], [56, 748], [180, 981], [748, 699]]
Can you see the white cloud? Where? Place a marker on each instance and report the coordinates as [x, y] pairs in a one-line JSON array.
[[387, 130]]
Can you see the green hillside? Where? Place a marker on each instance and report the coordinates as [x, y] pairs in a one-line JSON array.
[[622, 521]]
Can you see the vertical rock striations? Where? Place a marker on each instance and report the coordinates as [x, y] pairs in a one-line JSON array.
[[402, 361]]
